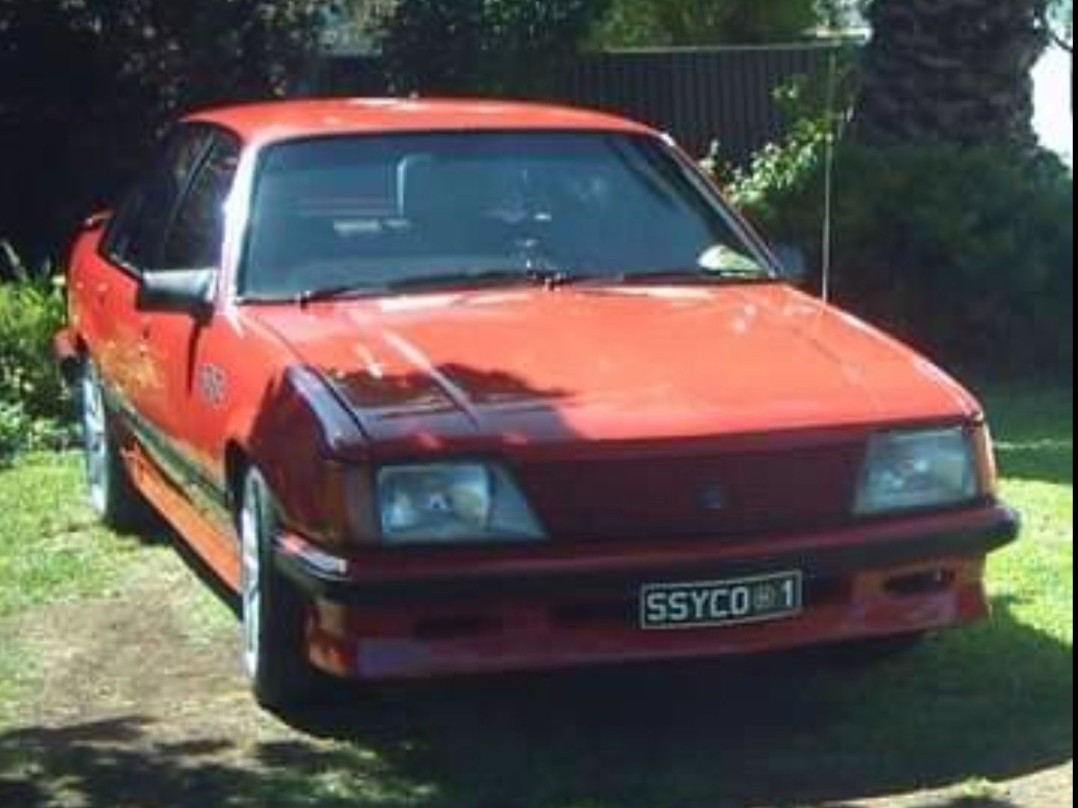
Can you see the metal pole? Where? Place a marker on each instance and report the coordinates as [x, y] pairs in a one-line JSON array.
[[829, 177]]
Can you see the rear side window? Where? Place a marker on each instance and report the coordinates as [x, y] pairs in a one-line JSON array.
[[195, 237], [136, 237]]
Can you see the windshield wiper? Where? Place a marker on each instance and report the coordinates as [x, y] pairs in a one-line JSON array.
[[693, 276], [469, 278], [550, 278], [339, 292], [446, 280]]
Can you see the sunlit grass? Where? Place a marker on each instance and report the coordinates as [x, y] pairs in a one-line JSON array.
[[51, 548]]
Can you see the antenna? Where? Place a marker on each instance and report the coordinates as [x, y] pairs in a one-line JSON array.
[[829, 176]]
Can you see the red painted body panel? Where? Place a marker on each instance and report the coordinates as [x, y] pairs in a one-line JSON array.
[[607, 403]]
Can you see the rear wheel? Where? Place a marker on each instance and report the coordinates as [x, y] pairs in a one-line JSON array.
[[112, 494], [274, 645]]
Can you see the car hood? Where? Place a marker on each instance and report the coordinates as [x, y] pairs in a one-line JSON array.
[[533, 367]]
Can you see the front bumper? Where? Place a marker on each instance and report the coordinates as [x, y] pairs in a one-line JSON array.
[[403, 615]]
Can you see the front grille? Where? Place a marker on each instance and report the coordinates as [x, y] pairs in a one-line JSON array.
[[712, 496]]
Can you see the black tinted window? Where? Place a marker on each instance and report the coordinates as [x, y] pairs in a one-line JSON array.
[[194, 242], [136, 237]]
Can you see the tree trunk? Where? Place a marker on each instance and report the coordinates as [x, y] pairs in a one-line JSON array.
[[952, 71]]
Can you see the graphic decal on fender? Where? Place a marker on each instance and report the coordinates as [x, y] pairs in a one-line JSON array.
[[212, 385]]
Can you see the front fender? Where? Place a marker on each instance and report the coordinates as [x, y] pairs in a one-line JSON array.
[[299, 436]]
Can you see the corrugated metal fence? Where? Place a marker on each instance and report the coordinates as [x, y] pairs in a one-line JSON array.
[[697, 95]]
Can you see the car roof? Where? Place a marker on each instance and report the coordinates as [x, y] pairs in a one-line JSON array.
[[290, 120]]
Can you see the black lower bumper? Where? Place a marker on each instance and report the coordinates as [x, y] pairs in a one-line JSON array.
[[827, 563]]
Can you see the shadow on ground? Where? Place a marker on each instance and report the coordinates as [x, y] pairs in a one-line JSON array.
[[782, 731]]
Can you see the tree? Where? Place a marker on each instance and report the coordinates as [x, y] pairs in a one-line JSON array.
[[355, 26], [1059, 19], [635, 23], [955, 72], [482, 46], [179, 54], [86, 84]]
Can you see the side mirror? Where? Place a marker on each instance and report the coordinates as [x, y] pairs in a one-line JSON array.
[[793, 262], [97, 221], [183, 292]]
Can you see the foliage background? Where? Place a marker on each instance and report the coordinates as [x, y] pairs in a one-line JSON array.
[[33, 401], [86, 85], [966, 252], [664, 23], [482, 46]]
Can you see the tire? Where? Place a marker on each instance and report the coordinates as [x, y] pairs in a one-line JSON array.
[[274, 643], [113, 495]]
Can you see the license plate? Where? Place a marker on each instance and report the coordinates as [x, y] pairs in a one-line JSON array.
[[722, 603]]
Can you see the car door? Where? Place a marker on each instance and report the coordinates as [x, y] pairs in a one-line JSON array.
[[189, 354]]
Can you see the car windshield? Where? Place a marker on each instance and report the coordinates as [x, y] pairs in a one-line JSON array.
[[381, 213]]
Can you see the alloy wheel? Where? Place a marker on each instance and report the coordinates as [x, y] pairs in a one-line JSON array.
[[251, 584], [95, 441]]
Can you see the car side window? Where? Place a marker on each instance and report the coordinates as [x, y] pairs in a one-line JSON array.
[[136, 237], [194, 240]]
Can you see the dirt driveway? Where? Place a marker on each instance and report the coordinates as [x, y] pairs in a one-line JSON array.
[[140, 703]]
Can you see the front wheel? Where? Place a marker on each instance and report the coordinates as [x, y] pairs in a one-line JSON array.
[[274, 645]]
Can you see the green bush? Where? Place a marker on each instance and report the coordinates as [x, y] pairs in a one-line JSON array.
[[13, 426], [815, 107], [646, 23], [966, 254], [33, 401], [779, 171], [19, 432]]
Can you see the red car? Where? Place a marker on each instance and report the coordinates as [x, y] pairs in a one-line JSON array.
[[466, 387]]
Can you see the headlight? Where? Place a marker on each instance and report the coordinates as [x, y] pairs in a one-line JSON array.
[[912, 470], [453, 503]]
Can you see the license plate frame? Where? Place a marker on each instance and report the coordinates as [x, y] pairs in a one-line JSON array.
[[692, 605]]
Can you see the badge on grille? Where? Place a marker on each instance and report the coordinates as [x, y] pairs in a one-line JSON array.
[[713, 497]]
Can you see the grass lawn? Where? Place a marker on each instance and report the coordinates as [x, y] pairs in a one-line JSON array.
[[967, 710]]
